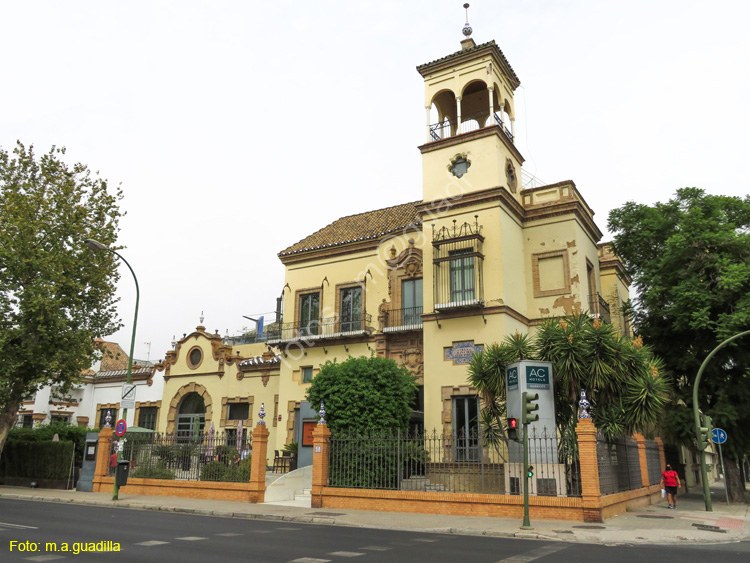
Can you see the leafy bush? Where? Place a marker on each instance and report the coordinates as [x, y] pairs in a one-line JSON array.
[[156, 471], [45, 433], [364, 394], [165, 452], [218, 471], [36, 460]]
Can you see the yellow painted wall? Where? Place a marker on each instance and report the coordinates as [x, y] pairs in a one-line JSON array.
[[487, 157], [229, 385]]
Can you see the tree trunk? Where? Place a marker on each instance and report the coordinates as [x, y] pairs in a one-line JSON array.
[[734, 481], [8, 418]]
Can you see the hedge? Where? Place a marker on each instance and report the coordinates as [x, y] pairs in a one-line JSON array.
[[45, 433], [36, 460]]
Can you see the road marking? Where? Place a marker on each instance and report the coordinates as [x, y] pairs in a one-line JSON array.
[[228, 534], [45, 557], [425, 540], [534, 553], [345, 553], [376, 548], [191, 538], [309, 560], [152, 543], [17, 526]]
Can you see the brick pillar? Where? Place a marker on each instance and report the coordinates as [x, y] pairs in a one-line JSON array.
[[104, 450], [642, 458], [258, 463], [590, 490], [321, 442], [662, 459]]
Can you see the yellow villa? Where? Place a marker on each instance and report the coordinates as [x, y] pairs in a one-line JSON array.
[[482, 254]]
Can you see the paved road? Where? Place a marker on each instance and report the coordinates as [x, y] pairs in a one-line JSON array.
[[166, 537]]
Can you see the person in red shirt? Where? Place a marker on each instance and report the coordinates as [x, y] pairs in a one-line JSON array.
[[670, 482]]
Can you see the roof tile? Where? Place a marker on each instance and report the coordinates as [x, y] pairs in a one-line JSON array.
[[363, 226]]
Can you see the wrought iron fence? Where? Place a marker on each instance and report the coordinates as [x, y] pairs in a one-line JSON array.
[[202, 458], [469, 122], [453, 462], [599, 306], [327, 327], [653, 461], [619, 465], [408, 318]]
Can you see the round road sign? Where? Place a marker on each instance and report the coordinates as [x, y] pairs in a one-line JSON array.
[[120, 427], [718, 436]]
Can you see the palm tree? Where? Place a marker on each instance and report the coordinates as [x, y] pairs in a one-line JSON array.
[[623, 380]]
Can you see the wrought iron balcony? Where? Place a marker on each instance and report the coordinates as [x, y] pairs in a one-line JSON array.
[[458, 265], [472, 122], [325, 328], [399, 320], [599, 307]]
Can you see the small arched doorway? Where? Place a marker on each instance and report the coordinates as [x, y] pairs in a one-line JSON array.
[[191, 416]]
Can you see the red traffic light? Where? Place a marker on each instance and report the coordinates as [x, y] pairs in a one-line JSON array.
[[512, 423]]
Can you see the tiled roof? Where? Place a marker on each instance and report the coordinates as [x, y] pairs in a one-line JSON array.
[[464, 52], [354, 228], [257, 360], [137, 370]]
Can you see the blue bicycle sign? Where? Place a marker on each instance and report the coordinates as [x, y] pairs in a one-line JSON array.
[[718, 436]]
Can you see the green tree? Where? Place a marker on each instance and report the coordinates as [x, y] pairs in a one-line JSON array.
[[623, 380], [364, 394], [56, 296], [689, 259]]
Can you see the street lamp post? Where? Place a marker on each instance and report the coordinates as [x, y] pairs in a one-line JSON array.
[[97, 246], [696, 415]]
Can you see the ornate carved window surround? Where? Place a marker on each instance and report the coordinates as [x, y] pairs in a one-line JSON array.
[[225, 401], [536, 258]]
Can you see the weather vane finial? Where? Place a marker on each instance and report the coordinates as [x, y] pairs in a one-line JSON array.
[[467, 28]]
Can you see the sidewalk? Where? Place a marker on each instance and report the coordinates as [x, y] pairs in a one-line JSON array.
[[654, 524]]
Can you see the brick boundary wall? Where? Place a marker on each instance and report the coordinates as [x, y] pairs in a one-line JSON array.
[[252, 491], [216, 490], [591, 506]]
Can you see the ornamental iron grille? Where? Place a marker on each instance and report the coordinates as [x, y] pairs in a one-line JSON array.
[[653, 462], [458, 261], [440, 462], [206, 456], [619, 464]]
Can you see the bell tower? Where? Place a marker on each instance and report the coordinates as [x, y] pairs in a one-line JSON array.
[[470, 122]]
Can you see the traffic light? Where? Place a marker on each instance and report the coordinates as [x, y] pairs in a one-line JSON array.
[[705, 432], [513, 429], [530, 471], [529, 406]]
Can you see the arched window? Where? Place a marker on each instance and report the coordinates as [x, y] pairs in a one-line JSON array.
[[191, 417]]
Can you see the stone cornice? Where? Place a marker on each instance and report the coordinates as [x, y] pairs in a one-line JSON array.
[[333, 251], [476, 312], [471, 136]]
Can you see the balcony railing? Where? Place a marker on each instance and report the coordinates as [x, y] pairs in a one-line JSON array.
[[472, 122], [327, 327], [397, 320], [598, 306]]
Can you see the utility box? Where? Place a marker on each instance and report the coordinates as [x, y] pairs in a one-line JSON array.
[[86, 480], [121, 475], [532, 377]]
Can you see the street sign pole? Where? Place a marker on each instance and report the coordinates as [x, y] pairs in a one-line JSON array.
[[719, 436]]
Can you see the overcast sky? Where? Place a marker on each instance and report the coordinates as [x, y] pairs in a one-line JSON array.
[[237, 128]]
